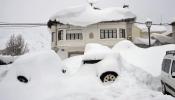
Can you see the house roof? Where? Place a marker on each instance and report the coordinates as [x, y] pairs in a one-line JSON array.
[[173, 23], [154, 28], [87, 15]]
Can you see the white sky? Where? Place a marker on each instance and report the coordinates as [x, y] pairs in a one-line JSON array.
[[41, 10]]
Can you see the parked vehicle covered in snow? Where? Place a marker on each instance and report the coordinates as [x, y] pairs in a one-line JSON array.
[[98, 56], [168, 73]]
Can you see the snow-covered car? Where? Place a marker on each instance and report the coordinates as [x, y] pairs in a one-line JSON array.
[[168, 73], [5, 60], [96, 56], [36, 66]]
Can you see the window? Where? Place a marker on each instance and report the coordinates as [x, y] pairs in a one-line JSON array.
[[68, 36], [91, 35], [166, 65], [102, 34], [74, 36], [60, 35], [122, 33], [114, 33], [53, 36], [108, 33], [173, 67]]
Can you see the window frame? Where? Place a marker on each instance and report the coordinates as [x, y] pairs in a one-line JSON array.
[[122, 33], [74, 36], [108, 33]]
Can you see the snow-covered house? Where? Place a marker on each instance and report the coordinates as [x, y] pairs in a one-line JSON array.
[[140, 33], [74, 27]]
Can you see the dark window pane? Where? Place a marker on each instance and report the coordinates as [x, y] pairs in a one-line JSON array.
[[67, 36], [173, 67], [72, 36], [77, 36], [123, 33], [60, 35], [167, 65], [110, 34], [106, 34], [53, 36], [80, 36]]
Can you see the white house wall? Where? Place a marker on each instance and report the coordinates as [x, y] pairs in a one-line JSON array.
[[78, 45]]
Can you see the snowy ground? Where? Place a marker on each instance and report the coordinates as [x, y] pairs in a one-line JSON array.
[[139, 71]]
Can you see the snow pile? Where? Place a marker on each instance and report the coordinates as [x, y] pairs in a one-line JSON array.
[[87, 15], [7, 59], [46, 82], [163, 38], [154, 28], [42, 70], [149, 59], [145, 41], [93, 1], [95, 51], [72, 64]]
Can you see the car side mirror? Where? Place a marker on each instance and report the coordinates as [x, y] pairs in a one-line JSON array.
[[173, 74]]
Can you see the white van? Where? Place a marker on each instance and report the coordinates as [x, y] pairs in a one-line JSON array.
[[168, 73]]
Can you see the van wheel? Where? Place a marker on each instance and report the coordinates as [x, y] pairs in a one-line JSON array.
[[108, 77], [164, 89]]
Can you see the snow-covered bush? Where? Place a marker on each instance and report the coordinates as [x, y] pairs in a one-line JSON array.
[[15, 46]]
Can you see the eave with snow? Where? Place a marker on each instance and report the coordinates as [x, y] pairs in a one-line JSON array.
[[74, 27]]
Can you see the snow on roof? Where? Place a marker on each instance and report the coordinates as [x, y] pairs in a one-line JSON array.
[[145, 41], [163, 38], [154, 28], [94, 51], [87, 15], [148, 20]]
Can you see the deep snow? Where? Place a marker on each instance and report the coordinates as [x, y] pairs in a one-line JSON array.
[[86, 15], [137, 78]]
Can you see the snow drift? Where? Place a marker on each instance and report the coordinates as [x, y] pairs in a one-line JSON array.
[[46, 82], [87, 15]]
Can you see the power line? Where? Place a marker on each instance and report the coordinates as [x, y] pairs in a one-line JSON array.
[[6, 24]]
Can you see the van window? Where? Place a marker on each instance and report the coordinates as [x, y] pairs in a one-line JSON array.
[[166, 65], [173, 67]]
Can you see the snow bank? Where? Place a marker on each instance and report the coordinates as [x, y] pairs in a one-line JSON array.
[[86, 15], [42, 70], [154, 28], [72, 64], [7, 59], [149, 59], [46, 82]]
